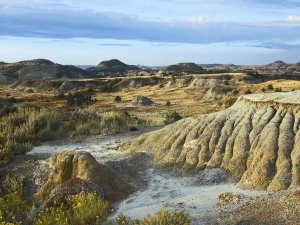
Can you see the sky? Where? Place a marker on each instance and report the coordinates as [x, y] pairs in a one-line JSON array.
[[152, 32]]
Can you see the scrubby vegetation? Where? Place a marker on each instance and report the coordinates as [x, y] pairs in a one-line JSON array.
[[162, 218], [20, 130], [172, 117], [270, 87], [80, 209], [79, 99], [107, 89], [23, 129], [88, 121], [13, 210], [118, 98]]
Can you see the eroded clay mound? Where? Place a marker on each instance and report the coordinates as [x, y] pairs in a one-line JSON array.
[[257, 141], [78, 168]]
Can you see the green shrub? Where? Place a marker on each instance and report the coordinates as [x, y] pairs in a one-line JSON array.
[[118, 98], [53, 216], [13, 185], [162, 218], [79, 209], [13, 208], [87, 209], [168, 103], [20, 130], [6, 109], [172, 117], [166, 218], [79, 99], [270, 87], [5, 156], [107, 89]]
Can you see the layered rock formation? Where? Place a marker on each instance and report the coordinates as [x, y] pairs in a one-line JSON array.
[[257, 141]]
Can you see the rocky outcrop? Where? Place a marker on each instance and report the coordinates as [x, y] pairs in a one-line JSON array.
[[218, 92], [206, 83], [142, 101], [256, 141], [175, 83], [70, 166], [112, 67], [40, 69]]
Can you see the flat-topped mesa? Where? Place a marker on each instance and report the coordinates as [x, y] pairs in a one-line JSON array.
[[257, 141]]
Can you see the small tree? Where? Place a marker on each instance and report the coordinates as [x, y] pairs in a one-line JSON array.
[[79, 99], [270, 87], [118, 98], [168, 103]]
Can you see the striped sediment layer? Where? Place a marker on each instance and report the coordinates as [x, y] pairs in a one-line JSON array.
[[257, 141]]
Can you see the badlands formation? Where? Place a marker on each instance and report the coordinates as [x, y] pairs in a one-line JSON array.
[[256, 141]]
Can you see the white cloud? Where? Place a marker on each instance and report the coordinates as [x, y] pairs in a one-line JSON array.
[[202, 20], [294, 19]]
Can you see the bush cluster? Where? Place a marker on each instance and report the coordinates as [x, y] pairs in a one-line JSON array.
[[172, 117], [20, 130], [162, 218], [79, 99], [90, 122], [80, 209]]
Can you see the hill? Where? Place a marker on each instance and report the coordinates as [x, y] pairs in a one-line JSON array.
[[277, 64], [112, 67], [39, 69], [185, 68]]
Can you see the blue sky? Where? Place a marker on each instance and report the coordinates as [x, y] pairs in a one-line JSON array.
[[153, 32]]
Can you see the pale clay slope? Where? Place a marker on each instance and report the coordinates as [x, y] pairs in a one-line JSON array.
[[257, 141]]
